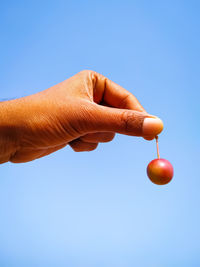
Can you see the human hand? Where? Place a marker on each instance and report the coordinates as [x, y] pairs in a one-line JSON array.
[[82, 111]]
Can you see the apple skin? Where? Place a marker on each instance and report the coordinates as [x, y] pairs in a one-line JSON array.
[[160, 171]]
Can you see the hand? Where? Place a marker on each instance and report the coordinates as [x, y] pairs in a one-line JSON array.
[[82, 111]]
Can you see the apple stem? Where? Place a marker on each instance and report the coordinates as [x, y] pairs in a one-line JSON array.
[[158, 154]]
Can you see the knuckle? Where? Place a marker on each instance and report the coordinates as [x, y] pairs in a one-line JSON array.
[[86, 72], [98, 137], [127, 101], [124, 100], [125, 118], [79, 146], [75, 145], [109, 137], [132, 122], [75, 148], [92, 147]]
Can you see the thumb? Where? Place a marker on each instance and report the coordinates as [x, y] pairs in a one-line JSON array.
[[124, 121]]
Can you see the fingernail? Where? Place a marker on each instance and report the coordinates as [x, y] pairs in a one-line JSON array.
[[152, 126]]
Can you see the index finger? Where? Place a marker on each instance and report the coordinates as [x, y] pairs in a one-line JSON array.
[[114, 95]]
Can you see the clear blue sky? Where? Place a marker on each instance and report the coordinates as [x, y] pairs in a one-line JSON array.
[[99, 209]]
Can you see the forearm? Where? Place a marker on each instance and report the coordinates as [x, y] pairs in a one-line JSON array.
[[9, 130]]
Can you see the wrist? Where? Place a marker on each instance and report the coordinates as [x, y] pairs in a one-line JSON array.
[[9, 130]]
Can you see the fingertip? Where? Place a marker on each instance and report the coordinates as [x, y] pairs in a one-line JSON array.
[[149, 138], [152, 127]]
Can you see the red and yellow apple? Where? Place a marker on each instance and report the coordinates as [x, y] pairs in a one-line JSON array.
[[160, 171]]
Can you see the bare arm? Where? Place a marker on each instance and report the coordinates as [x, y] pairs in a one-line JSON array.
[[82, 111]]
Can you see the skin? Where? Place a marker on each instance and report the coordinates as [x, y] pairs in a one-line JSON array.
[[81, 112]]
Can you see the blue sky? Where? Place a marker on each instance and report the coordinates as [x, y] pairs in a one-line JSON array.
[[99, 209]]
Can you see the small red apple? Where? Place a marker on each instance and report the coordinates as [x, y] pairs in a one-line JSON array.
[[160, 171]]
